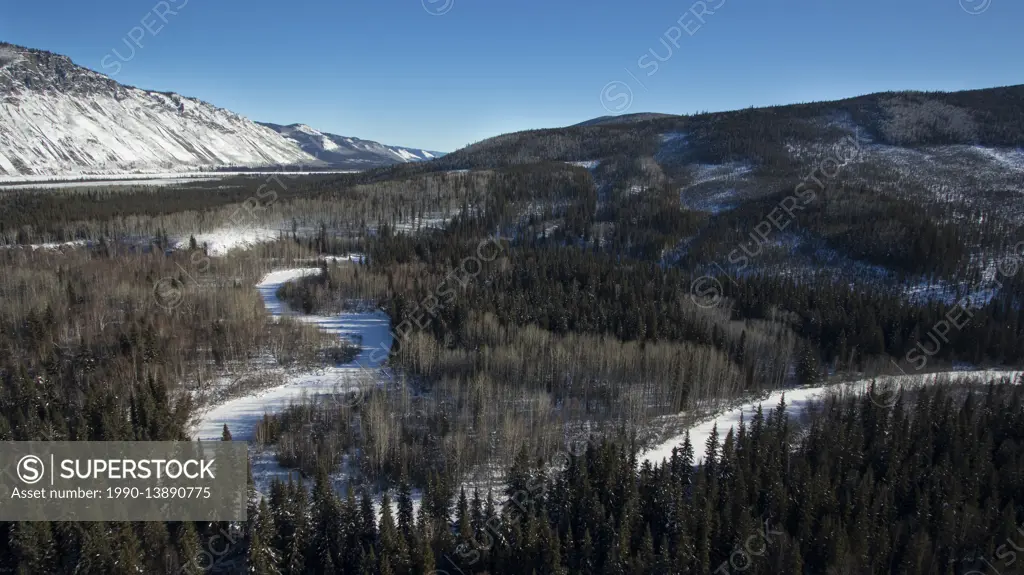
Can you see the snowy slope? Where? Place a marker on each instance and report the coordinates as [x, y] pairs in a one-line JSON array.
[[62, 119], [346, 152], [221, 241]]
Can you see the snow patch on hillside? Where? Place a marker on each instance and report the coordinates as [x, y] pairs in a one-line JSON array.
[[50, 245], [713, 186], [704, 173], [220, 242], [1008, 158], [716, 203], [947, 173]]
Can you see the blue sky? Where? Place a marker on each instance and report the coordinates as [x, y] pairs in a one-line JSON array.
[[399, 72]]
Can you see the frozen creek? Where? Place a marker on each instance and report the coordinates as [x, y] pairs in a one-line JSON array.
[[371, 330]]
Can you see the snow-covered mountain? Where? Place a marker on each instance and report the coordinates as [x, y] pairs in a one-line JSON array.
[[346, 152], [63, 120]]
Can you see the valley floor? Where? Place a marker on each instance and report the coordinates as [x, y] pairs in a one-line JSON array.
[[141, 179], [372, 332]]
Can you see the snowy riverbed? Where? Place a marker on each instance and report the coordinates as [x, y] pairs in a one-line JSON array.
[[797, 400], [371, 330]]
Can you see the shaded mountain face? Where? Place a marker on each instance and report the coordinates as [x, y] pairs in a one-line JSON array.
[[60, 119], [346, 152], [770, 137], [962, 145], [919, 193]]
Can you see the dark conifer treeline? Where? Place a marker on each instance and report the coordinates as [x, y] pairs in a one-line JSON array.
[[930, 485]]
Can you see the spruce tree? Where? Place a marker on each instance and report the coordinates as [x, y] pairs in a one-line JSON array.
[[187, 542], [392, 544], [128, 556], [33, 548], [262, 559], [406, 519], [326, 527], [296, 545]]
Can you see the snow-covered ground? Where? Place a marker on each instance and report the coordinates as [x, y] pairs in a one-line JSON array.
[[704, 173], [241, 415], [588, 164], [797, 400], [106, 182], [220, 242], [716, 203], [140, 178], [434, 220], [715, 188], [357, 258], [371, 330], [50, 245]]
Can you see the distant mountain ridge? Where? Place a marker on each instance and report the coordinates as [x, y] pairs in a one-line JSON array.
[[965, 147], [61, 119], [624, 119], [770, 137], [348, 152]]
